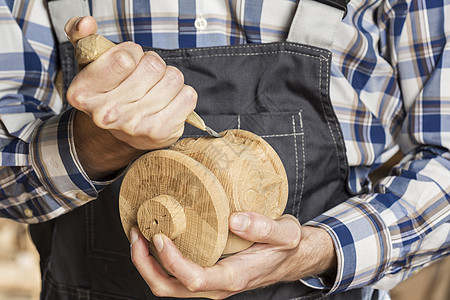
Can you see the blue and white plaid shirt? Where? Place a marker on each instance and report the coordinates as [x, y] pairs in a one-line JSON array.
[[390, 88]]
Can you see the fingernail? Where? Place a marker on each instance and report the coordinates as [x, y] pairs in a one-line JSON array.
[[133, 235], [240, 222], [77, 24], [158, 241], [67, 36]]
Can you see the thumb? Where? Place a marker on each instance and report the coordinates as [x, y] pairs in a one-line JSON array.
[[285, 231], [80, 27]]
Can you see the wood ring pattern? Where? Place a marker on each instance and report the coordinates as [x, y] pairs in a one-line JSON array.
[[167, 172], [199, 182], [249, 170]]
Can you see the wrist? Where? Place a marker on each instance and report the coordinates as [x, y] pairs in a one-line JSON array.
[[99, 152], [318, 255]]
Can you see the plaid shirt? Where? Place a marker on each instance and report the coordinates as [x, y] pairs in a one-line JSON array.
[[390, 87]]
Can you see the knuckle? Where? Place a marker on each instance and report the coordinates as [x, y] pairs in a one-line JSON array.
[[235, 283], [156, 129], [154, 63], [77, 98], [122, 61], [237, 286], [171, 266], [132, 46], [159, 291], [294, 231], [265, 230], [130, 127], [196, 285], [174, 76], [106, 116], [190, 95]]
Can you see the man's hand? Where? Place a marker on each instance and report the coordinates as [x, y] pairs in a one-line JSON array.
[[284, 251], [131, 102]]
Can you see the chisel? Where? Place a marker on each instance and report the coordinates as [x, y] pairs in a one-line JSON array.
[[91, 47]]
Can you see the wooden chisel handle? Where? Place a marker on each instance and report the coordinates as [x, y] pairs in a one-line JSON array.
[[91, 47]]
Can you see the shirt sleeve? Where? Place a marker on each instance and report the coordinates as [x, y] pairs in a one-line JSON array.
[[383, 237], [40, 175]]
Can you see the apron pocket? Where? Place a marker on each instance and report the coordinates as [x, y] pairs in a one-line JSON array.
[[283, 131]]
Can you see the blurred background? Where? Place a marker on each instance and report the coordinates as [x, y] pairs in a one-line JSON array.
[[20, 277], [19, 263]]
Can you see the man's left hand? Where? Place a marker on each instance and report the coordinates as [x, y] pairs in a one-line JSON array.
[[283, 251]]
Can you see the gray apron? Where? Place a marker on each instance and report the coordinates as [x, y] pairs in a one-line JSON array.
[[279, 91]]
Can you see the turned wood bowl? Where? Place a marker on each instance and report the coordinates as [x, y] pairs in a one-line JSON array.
[[189, 190]]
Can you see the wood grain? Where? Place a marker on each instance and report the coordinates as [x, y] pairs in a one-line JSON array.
[[249, 170], [188, 191], [194, 187]]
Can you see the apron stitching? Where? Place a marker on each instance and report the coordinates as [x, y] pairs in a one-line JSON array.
[[296, 165], [335, 122], [242, 47], [303, 164], [239, 122], [341, 138], [263, 136], [282, 135], [323, 107], [243, 54]]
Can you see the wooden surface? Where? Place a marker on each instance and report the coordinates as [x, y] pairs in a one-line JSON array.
[[249, 170], [161, 214], [193, 187], [188, 191]]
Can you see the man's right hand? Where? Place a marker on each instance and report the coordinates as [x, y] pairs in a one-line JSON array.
[[135, 101], [133, 94]]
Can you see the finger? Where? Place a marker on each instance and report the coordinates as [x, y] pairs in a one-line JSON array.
[[114, 66], [165, 126], [255, 227], [156, 278], [164, 91], [196, 279], [88, 88], [180, 107], [80, 27], [146, 264], [150, 70]]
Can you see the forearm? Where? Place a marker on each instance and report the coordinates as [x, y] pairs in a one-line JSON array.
[[100, 153], [317, 254], [382, 236], [41, 177]]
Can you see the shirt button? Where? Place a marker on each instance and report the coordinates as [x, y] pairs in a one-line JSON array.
[[28, 212], [200, 23], [83, 197]]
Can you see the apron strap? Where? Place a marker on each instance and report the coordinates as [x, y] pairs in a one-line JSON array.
[[316, 21], [62, 10]]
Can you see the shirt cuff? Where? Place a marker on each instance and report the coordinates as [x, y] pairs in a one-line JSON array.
[[362, 244], [54, 159]]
